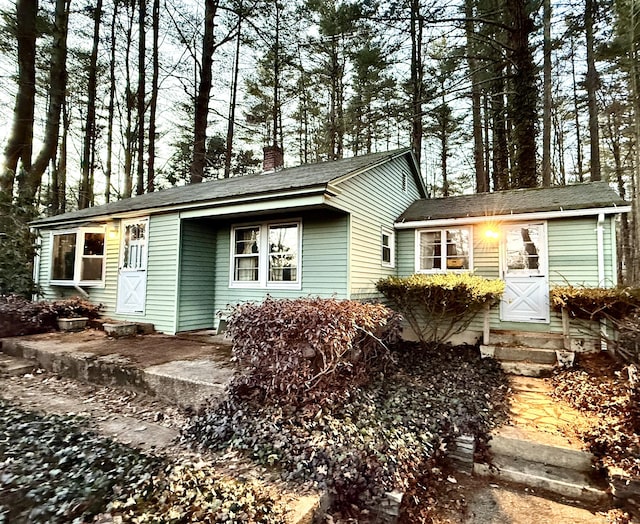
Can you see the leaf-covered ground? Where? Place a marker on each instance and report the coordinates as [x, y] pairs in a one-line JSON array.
[[600, 387], [388, 435], [54, 470]]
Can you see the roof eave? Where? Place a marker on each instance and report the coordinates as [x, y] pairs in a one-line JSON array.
[[513, 217], [263, 197]]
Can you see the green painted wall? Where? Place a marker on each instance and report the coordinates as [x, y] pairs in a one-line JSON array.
[[162, 270], [374, 199], [197, 275], [572, 254], [324, 261]]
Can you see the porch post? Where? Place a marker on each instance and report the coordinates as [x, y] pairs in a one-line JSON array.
[[486, 325], [566, 330]]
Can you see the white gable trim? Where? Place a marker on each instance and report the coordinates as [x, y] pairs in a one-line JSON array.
[[517, 217]]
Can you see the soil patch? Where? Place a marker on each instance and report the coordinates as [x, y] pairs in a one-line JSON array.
[[141, 350]]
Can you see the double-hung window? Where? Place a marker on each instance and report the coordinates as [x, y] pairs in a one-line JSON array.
[[266, 255], [387, 244], [78, 257], [441, 250]]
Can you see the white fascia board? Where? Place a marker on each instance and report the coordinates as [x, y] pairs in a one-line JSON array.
[[516, 217], [250, 207], [205, 208]]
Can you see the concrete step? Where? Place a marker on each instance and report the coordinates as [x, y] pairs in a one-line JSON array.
[[519, 353], [14, 366], [560, 481], [536, 446], [527, 369], [527, 339], [186, 383]]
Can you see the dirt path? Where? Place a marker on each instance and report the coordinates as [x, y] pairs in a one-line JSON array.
[[126, 417]]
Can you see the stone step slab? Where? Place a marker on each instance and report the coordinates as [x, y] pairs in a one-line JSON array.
[[519, 353], [560, 481], [527, 339], [535, 446], [527, 369]]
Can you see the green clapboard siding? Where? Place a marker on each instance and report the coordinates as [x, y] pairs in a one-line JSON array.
[[105, 295], [375, 199], [162, 267], [324, 261], [573, 252], [197, 276]]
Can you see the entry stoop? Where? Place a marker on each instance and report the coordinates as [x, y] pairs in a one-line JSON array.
[[533, 459], [529, 354]]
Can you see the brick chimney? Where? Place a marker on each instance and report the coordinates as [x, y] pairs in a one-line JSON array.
[[273, 159]]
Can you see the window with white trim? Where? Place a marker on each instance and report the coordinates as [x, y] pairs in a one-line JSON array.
[[387, 245], [441, 250], [266, 255], [78, 257]]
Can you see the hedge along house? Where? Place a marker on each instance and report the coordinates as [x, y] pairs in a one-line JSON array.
[[178, 258], [533, 239]]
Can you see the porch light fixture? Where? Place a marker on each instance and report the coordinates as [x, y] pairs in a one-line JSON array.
[[113, 233], [491, 232]]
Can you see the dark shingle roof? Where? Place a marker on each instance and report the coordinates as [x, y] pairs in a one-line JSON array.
[[301, 177], [561, 198]]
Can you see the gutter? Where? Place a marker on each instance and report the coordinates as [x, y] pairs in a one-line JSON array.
[[321, 188], [514, 217]]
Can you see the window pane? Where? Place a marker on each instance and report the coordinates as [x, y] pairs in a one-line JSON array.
[[458, 249], [246, 269], [91, 268], [93, 244], [283, 253], [430, 250], [134, 246], [64, 256], [522, 249], [386, 248], [247, 240]]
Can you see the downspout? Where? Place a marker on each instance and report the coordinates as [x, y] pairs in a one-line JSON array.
[[601, 277], [36, 264], [600, 242]]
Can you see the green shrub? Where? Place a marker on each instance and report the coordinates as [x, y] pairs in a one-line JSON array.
[[595, 303], [294, 351], [438, 306]]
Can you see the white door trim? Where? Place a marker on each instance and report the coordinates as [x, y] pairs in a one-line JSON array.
[[526, 296], [132, 281]]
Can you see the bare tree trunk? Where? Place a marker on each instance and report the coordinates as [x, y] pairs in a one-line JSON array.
[[20, 143], [228, 153], [576, 113], [142, 48], [524, 97], [546, 105], [84, 194], [29, 185], [129, 102], [112, 94], [482, 183], [153, 103], [592, 83], [417, 78]]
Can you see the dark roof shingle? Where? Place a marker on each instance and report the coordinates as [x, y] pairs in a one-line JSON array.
[[577, 196], [301, 177]]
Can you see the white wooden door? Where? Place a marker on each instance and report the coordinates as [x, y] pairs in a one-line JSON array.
[[132, 273], [525, 272]]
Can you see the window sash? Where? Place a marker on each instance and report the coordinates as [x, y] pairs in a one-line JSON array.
[[78, 256], [266, 255], [387, 247], [440, 250]]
